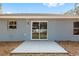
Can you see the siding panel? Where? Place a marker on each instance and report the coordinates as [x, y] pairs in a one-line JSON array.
[[58, 29]]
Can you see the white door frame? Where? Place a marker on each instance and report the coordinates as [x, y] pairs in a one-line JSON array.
[[31, 30]]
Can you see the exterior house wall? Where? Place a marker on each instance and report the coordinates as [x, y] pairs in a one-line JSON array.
[[21, 33], [58, 29]]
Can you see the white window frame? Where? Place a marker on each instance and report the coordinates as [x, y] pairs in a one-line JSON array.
[[74, 28], [39, 35], [9, 25]]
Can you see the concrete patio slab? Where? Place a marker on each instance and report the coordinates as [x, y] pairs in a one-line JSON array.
[[39, 47]]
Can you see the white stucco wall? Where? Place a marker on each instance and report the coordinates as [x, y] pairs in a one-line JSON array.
[[58, 29]]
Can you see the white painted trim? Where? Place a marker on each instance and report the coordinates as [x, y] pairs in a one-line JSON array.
[[31, 29], [9, 25]]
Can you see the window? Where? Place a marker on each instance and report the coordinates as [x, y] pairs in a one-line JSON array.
[[39, 30], [12, 24], [76, 28]]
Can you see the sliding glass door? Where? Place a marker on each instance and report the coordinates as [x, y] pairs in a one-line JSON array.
[[39, 30]]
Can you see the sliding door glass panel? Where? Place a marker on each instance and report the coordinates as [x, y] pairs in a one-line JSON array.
[[43, 30], [35, 30]]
